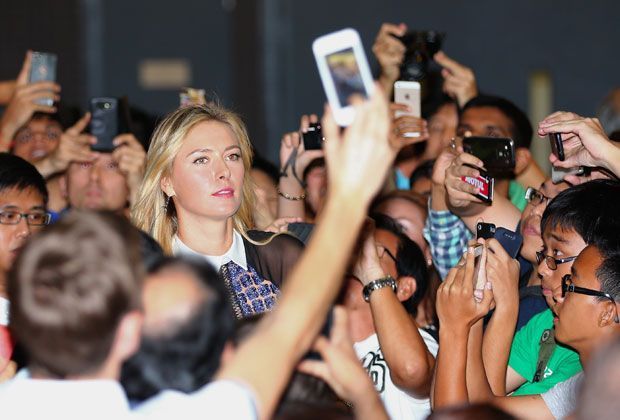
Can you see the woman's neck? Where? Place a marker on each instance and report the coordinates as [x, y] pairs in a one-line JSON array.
[[209, 237]]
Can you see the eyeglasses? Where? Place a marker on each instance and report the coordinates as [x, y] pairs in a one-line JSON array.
[[381, 251], [535, 197], [568, 286], [552, 263], [27, 136], [33, 219]]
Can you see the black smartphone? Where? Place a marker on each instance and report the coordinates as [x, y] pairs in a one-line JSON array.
[[313, 138], [557, 147], [43, 68], [511, 241], [109, 118], [485, 230], [497, 154]]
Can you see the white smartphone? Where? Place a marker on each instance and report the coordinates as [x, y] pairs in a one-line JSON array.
[[344, 71], [408, 93]]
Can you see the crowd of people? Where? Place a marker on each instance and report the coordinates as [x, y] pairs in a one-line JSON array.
[[188, 277]]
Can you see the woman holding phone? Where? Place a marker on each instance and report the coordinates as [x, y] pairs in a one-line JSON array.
[[197, 199]]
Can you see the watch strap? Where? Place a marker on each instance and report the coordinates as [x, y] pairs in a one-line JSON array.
[[387, 281]]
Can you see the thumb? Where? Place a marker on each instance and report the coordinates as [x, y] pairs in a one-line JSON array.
[[22, 78]]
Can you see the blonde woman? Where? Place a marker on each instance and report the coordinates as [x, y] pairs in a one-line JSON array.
[[197, 199]]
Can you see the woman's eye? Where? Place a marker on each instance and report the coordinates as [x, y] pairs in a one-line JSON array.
[[201, 160], [234, 157]]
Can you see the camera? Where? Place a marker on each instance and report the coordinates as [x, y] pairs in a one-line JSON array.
[[421, 46], [313, 138]]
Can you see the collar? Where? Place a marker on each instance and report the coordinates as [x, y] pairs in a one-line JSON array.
[[236, 252]]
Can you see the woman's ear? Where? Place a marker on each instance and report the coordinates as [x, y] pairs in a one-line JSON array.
[[523, 157], [406, 288], [166, 186]]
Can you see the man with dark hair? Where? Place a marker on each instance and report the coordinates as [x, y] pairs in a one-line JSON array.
[[381, 294], [23, 202], [188, 320]]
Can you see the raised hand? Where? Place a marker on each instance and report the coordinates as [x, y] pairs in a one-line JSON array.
[[389, 52], [131, 159], [459, 80]]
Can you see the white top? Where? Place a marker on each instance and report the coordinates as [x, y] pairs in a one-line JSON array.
[[25, 398], [398, 404], [4, 311], [235, 253], [562, 398]]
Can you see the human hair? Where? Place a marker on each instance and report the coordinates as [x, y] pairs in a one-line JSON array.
[[423, 171], [153, 212], [412, 197], [590, 209], [183, 354], [409, 260], [432, 106], [521, 129], [608, 273], [69, 289], [20, 174], [265, 166]]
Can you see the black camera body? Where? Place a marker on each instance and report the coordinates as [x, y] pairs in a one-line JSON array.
[[313, 137], [421, 47]]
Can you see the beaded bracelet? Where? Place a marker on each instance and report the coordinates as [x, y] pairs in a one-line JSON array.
[[291, 197]]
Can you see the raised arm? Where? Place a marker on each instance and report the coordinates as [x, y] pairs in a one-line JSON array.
[[358, 162], [411, 364]]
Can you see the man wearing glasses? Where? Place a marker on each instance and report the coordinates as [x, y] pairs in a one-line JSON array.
[[23, 201], [582, 215]]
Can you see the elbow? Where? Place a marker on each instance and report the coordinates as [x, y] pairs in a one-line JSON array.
[[414, 378]]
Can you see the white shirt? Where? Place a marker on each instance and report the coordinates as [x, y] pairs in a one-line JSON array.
[[398, 404], [235, 253], [4, 311], [562, 398], [35, 399]]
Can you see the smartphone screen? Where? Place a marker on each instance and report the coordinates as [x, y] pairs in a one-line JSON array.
[[346, 75]]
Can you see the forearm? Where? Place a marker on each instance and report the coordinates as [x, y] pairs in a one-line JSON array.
[[410, 362], [369, 406], [612, 161], [438, 198], [478, 388], [496, 347], [287, 333], [501, 213], [450, 381], [6, 135], [7, 88]]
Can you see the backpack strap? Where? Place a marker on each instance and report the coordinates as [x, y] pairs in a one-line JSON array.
[[547, 346]]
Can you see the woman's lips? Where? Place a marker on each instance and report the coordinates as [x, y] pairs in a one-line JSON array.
[[224, 193]]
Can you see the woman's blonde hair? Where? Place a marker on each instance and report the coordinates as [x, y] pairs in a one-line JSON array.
[[153, 211]]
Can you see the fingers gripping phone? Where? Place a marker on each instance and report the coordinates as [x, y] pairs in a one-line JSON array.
[[408, 93], [497, 154], [344, 71], [43, 68]]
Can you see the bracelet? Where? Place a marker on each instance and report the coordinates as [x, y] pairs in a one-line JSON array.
[[378, 284], [291, 197]]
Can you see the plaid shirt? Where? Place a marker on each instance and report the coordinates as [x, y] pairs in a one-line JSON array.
[[447, 236]]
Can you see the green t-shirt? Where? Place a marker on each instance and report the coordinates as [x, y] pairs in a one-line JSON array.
[[563, 363], [516, 193]]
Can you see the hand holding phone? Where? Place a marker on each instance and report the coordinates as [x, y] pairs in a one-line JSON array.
[[344, 71], [510, 241]]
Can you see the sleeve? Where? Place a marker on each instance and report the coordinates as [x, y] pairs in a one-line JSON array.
[[562, 397], [275, 259], [524, 349], [447, 236]]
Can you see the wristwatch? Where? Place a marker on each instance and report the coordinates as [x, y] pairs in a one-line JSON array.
[[378, 284]]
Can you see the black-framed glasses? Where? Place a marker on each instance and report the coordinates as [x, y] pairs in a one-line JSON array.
[[535, 197], [381, 251], [552, 262], [10, 217], [568, 286]]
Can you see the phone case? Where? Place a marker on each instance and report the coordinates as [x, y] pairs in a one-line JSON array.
[[104, 122], [485, 230], [557, 147], [344, 71], [497, 154], [407, 93], [511, 241]]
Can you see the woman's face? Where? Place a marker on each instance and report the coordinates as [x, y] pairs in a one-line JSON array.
[[207, 173]]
